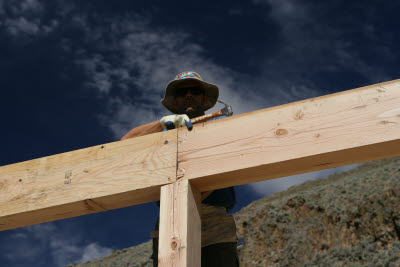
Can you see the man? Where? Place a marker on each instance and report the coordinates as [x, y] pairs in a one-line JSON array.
[[189, 96]]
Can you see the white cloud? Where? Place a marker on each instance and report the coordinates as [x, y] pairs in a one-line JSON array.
[[20, 7], [27, 245], [146, 57], [126, 115], [99, 70], [145, 60], [30, 6], [288, 11], [19, 235], [312, 45], [25, 18], [21, 25], [266, 188], [94, 251], [1, 7]]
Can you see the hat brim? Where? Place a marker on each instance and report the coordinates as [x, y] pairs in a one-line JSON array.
[[210, 90]]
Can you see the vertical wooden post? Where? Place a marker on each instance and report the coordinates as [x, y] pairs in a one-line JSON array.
[[180, 226]]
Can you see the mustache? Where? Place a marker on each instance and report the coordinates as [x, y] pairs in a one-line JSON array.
[[191, 102]]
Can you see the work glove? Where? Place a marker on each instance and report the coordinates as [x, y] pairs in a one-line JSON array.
[[175, 121]]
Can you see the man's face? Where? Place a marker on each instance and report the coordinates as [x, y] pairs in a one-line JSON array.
[[189, 99]]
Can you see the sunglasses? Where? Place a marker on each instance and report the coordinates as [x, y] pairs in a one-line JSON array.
[[193, 90]]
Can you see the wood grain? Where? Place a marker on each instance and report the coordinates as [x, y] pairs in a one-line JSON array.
[[325, 132], [86, 181], [180, 226]]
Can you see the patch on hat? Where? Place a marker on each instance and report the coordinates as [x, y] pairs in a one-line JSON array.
[[184, 75]]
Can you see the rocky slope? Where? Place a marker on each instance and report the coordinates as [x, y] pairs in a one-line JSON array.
[[349, 219]]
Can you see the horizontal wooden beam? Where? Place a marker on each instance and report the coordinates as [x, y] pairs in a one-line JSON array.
[[325, 132], [89, 180], [344, 128]]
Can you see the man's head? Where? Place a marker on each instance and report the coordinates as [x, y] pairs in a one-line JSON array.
[[189, 94]]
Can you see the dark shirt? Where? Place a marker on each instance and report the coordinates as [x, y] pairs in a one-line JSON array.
[[225, 197]]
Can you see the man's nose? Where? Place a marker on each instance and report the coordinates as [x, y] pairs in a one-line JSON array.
[[189, 93]]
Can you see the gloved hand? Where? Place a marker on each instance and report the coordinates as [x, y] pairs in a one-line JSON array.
[[175, 121]]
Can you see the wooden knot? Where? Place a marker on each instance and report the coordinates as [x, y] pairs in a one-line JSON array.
[[299, 115], [174, 245], [280, 132]]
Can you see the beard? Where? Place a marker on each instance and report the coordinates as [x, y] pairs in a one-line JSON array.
[[191, 111]]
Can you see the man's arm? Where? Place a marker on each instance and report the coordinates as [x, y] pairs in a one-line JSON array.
[[167, 122], [149, 128]]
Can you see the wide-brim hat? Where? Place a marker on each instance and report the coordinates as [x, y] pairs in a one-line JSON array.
[[210, 90]]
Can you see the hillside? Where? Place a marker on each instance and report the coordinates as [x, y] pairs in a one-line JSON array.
[[348, 219]]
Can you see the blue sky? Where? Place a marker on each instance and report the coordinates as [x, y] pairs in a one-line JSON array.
[[76, 74]]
